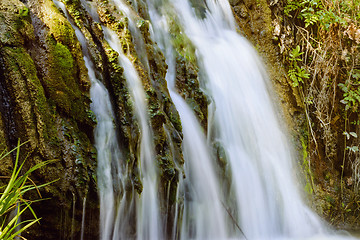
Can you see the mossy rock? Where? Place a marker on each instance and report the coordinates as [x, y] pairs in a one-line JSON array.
[[15, 24]]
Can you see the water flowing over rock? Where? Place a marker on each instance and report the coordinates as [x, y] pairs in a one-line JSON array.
[[161, 116]]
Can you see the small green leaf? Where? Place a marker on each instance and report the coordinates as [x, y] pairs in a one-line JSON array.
[[353, 134]]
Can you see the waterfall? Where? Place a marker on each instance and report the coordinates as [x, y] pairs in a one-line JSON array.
[[266, 203], [136, 34], [263, 201]]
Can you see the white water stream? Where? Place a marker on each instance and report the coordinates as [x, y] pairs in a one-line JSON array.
[[137, 38], [148, 218], [267, 202], [109, 173], [200, 189]]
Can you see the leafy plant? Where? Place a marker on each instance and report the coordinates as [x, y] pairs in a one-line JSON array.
[[307, 10], [310, 12], [327, 31], [295, 73], [351, 96], [12, 203], [313, 12]]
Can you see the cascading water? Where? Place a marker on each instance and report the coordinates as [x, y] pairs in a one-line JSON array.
[[114, 219], [264, 202], [267, 204], [148, 219], [109, 177], [136, 34], [200, 188]]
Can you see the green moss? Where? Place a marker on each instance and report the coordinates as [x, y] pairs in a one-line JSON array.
[[83, 155], [22, 18], [62, 83], [91, 115], [174, 117], [73, 7], [16, 27], [20, 62], [64, 61], [167, 167], [113, 56], [24, 12], [309, 187], [62, 31], [119, 25]]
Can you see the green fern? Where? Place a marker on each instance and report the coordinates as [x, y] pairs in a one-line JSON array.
[[296, 74]]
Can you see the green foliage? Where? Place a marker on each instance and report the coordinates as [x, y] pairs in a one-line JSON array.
[[296, 74], [351, 96], [11, 200], [310, 12], [291, 7], [353, 149], [91, 115], [295, 54], [313, 12], [327, 32], [348, 135], [307, 10], [355, 74]]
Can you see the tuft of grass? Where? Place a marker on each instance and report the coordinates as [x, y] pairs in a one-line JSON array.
[[12, 203]]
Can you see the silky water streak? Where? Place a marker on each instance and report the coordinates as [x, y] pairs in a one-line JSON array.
[[202, 210], [149, 225], [109, 172]]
